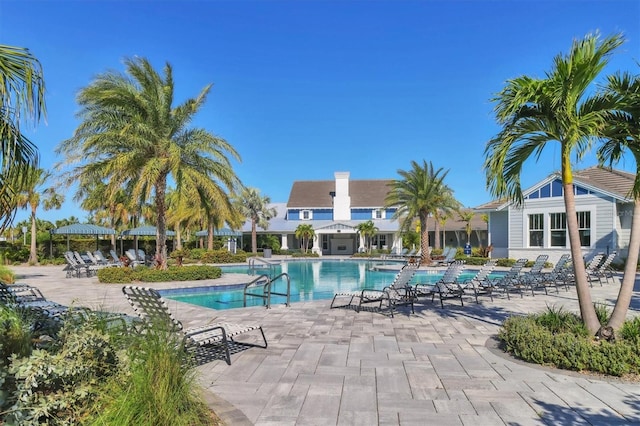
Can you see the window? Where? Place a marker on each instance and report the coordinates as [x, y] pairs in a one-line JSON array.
[[378, 214], [536, 230], [305, 215], [584, 228], [380, 240], [558, 227]]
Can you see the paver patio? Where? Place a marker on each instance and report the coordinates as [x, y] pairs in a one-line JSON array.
[[339, 367]]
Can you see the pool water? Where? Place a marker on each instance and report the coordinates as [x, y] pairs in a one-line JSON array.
[[310, 280]]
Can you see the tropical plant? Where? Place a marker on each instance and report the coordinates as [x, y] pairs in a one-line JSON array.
[[131, 136], [31, 196], [448, 207], [558, 108], [367, 230], [623, 134], [21, 98], [467, 216], [305, 233], [255, 207], [419, 193]]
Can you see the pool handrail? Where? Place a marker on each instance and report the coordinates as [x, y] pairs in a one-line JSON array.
[[265, 282]]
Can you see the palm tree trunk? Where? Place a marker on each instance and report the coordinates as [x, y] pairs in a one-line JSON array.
[[587, 310], [619, 314], [254, 237], [210, 231], [161, 208], [425, 257], [436, 232], [178, 236], [33, 253]]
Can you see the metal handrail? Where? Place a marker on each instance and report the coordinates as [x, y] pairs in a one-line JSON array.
[[255, 283], [266, 289], [252, 264], [287, 294]]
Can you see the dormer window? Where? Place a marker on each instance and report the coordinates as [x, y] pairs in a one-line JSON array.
[[306, 215], [378, 214]]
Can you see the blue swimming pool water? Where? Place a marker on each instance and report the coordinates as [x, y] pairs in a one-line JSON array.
[[310, 280]]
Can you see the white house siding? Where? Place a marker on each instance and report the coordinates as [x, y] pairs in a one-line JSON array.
[[603, 218], [623, 227]]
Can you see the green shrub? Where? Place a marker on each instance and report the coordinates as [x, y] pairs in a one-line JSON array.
[[602, 312], [505, 262], [197, 253], [6, 275], [630, 330], [56, 386], [223, 256], [475, 261], [158, 389], [116, 275], [301, 254], [559, 338], [146, 274]]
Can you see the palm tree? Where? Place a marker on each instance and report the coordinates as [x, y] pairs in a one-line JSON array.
[[467, 217], [111, 210], [21, 98], [132, 136], [367, 229], [624, 134], [419, 193], [305, 233], [558, 108], [446, 210], [32, 195], [255, 207]]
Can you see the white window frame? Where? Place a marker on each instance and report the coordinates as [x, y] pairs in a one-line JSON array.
[[529, 230], [378, 214], [306, 214]]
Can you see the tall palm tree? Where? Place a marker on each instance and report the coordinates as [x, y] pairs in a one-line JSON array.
[[467, 216], [418, 194], [131, 135], [255, 207], [22, 91], [534, 112], [623, 134], [34, 194], [111, 210], [368, 230], [305, 232]]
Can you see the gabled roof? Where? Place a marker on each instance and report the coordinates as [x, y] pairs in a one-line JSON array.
[[611, 182], [317, 194]]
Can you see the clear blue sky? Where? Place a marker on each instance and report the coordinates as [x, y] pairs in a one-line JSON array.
[[306, 88]]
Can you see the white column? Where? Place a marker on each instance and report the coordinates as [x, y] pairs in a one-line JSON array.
[[316, 247], [361, 246], [284, 244]]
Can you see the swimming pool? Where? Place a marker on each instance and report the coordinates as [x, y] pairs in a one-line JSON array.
[[310, 280]]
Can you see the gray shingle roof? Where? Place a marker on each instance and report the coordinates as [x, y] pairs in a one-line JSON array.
[[364, 193]]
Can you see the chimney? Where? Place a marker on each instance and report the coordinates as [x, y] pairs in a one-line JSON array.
[[342, 200]]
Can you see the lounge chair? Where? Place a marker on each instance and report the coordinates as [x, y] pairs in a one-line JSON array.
[[534, 278], [559, 272], [154, 312], [396, 294], [446, 287], [481, 284], [449, 256], [510, 282], [604, 271], [592, 267]]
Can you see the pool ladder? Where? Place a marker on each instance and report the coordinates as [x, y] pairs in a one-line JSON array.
[[263, 287], [258, 263]]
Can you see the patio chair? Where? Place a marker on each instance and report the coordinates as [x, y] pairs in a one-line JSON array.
[[73, 268], [398, 293], [558, 274], [446, 287], [591, 268], [481, 284], [604, 270], [534, 279], [115, 258], [90, 267], [154, 312], [133, 258], [449, 256], [511, 282]]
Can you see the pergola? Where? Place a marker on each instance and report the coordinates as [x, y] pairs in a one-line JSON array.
[[142, 231], [82, 229]]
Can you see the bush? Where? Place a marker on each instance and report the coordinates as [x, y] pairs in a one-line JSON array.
[[560, 339], [223, 256], [301, 254], [145, 274]]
